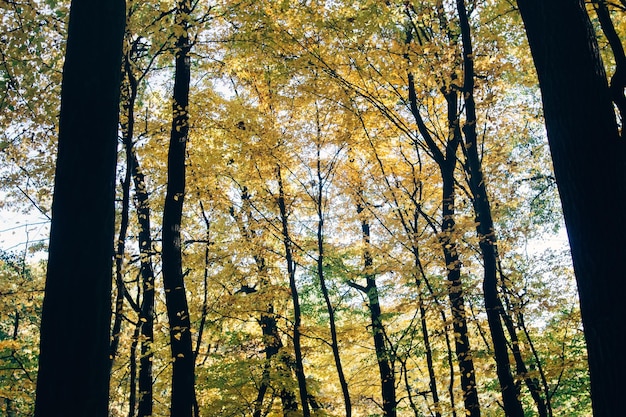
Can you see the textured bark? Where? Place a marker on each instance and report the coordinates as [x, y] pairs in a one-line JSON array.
[[183, 361], [590, 165], [77, 305]]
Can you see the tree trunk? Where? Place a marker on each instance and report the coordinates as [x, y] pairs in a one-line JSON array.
[[319, 205], [118, 312], [271, 345], [383, 356], [484, 226], [146, 309], [520, 366], [183, 378], [447, 165], [618, 80], [76, 314], [590, 165], [449, 246], [291, 271]]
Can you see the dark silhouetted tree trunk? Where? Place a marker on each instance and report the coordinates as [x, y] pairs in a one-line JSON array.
[[291, 271], [617, 86], [446, 159], [77, 305], [183, 361], [520, 366], [484, 226], [590, 168]]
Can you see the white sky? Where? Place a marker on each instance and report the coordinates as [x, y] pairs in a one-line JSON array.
[[19, 231]]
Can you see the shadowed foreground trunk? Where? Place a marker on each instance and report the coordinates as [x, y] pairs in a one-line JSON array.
[[590, 168], [77, 305]]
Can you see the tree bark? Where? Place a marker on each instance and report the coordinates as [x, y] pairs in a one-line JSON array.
[[77, 304], [590, 165], [183, 361], [449, 246], [520, 366]]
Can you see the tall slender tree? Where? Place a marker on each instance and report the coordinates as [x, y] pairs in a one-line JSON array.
[[77, 305], [183, 360], [589, 165], [297, 313], [384, 356], [484, 224]]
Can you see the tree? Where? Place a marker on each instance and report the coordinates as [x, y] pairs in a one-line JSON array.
[[328, 211], [183, 359], [484, 224], [76, 311], [589, 165]]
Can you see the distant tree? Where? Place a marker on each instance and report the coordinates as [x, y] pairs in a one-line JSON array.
[[589, 164], [77, 312]]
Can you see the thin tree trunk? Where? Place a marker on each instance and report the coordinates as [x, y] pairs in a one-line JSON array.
[[447, 165], [520, 366], [287, 396], [183, 374], [449, 246], [444, 320], [146, 312], [319, 204], [291, 271], [118, 311], [272, 345], [589, 165], [146, 315], [76, 315], [484, 226], [618, 80], [383, 355], [432, 378], [132, 370], [146, 309], [542, 374]]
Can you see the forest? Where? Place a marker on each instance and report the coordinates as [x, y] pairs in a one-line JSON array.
[[307, 208]]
